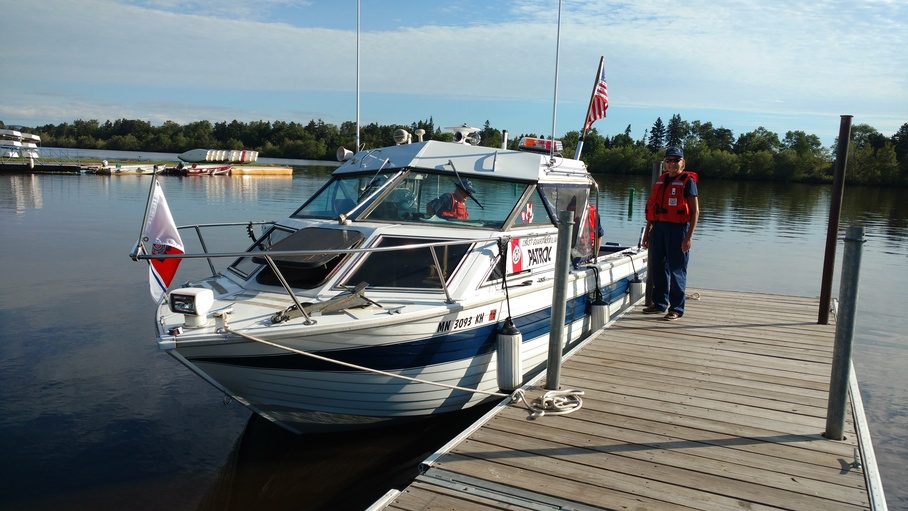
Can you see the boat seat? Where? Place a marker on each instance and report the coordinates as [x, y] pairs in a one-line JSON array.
[[313, 239], [386, 211], [311, 269]]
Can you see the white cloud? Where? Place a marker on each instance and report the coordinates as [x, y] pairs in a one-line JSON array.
[[764, 57]]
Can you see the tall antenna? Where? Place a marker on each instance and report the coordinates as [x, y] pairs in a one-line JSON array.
[[555, 100], [357, 76]]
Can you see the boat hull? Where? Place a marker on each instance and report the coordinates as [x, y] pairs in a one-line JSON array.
[[197, 169], [305, 394], [130, 169]]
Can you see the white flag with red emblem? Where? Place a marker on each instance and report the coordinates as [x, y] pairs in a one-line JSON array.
[[162, 232]]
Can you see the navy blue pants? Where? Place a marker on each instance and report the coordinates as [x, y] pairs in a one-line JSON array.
[[669, 265]]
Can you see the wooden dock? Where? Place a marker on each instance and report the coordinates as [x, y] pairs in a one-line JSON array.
[[723, 409]]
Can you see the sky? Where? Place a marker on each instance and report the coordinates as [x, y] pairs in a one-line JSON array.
[[739, 64]]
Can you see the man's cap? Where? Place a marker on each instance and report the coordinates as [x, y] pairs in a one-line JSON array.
[[674, 151], [466, 186]]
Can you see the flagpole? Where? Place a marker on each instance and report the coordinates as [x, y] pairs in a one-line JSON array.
[[135, 250], [357, 75], [589, 109], [555, 101]]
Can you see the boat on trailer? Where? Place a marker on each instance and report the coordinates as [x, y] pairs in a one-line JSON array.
[[361, 309]]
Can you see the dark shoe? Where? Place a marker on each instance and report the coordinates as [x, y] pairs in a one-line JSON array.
[[671, 316], [652, 309]]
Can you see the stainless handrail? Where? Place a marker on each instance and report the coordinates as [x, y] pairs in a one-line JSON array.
[[289, 290], [270, 254], [310, 252]]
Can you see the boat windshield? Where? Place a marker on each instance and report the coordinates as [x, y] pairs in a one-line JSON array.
[[415, 196]]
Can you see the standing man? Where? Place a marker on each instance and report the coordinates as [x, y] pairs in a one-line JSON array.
[[672, 211]]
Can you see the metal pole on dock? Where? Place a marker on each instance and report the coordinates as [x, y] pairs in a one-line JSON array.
[[648, 298], [835, 210], [844, 334], [559, 300]]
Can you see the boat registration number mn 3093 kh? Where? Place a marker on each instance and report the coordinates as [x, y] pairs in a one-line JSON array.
[[459, 323]]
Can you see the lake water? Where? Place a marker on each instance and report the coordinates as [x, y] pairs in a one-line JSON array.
[[94, 416]]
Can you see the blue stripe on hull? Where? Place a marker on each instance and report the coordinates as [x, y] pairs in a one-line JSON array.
[[438, 349]]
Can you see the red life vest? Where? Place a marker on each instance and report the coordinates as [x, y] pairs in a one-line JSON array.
[[591, 223], [668, 203], [458, 210]]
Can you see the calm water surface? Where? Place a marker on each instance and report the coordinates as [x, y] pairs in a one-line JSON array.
[[93, 416]]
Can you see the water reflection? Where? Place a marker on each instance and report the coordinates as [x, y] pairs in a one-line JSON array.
[[272, 469], [21, 192], [94, 416]]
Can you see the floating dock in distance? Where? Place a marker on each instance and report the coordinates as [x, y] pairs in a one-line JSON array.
[[724, 409], [261, 170]]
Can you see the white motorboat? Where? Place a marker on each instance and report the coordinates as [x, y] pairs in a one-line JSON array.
[[219, 156], [360, 309], [126, 169]]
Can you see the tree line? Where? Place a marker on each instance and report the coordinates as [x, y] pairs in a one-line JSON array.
[[873, 158], [712, 152]]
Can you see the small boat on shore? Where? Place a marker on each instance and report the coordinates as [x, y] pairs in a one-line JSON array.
[[365, 307], [203, 169], [126, 169]]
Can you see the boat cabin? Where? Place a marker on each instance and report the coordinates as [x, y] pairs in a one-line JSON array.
[[380, 199]]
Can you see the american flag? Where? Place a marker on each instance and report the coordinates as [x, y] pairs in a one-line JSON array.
[[598, 103]]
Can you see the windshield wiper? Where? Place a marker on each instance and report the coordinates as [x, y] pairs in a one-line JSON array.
[[462, 185], [372, 182]]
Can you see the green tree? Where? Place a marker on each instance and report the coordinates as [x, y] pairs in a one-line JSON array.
[[760, 139], [657, 135], [900, 142], [200, 134], [715, 164], [758, 165], [723, 139], [124, 143], [873, 158], [593, 144], [489, 136], [629, 159], [676, 131]]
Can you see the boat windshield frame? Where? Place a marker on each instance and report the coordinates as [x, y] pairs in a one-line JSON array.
[[401, 196]]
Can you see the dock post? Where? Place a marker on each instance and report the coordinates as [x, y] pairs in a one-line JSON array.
[[630, 202], [835, 210], [844, 334], [650, 267], [559, 300]]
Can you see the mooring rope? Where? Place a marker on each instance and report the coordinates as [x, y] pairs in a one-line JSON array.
[[362, 368], [553, 402]]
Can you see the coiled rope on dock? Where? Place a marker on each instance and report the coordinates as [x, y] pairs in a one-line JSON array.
[[553, 402]]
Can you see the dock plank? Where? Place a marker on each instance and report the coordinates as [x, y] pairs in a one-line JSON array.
[[724, 409]]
